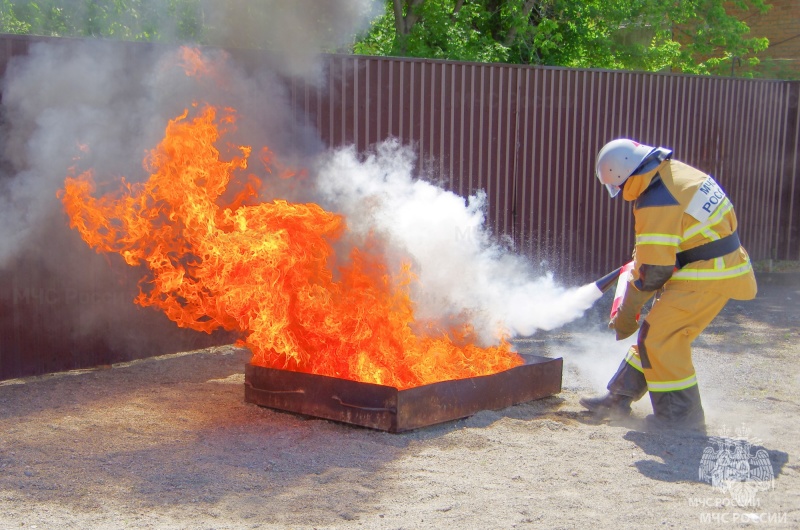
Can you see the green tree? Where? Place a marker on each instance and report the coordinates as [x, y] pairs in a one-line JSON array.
[[691, 36], [138, 20]]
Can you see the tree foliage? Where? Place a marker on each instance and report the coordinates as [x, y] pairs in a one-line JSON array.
[[691, 36], [137, 20]]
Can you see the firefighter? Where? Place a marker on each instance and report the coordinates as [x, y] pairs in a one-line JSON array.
[[689, 260]]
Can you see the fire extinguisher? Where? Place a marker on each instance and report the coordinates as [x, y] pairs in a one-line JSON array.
[[623, 276], [622, 286]]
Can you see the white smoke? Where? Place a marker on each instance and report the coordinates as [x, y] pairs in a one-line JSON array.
[[116, 100], [289, 34], [591, 357], [101, 104], [461, 267], [90, 104], [294, 32]]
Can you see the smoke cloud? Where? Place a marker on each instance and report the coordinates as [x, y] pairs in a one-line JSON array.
[[591, 357], [92, 105], [102, 105], [461, 266], [115, 100], [292, 32], [73, 105]]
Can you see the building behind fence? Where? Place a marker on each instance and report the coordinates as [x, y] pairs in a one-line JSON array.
[[528, 137]]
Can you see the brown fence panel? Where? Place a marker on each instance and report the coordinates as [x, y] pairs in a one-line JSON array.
[[527, 137]]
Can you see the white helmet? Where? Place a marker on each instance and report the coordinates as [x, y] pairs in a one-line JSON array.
[[617, 161]]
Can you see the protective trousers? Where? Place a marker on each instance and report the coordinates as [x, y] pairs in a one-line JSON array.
[[661, 361]]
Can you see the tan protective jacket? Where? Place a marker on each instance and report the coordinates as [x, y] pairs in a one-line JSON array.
[[676, 208]]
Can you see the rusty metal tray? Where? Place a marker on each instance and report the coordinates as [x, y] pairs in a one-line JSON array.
[[389, 409]]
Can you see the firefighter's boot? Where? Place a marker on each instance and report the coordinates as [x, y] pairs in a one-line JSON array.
[[627, 385], [678, 409], [609, 405]]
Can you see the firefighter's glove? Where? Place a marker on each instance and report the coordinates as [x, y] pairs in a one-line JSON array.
[[625, 322]]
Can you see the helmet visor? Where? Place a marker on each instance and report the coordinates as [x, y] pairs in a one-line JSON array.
[[613, 190]]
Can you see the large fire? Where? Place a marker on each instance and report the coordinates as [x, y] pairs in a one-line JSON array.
[[217, 258]]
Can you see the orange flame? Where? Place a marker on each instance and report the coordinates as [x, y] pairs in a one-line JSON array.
[[193, 62], [265, 268]]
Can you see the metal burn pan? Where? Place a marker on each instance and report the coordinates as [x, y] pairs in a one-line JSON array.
[[386, 408]]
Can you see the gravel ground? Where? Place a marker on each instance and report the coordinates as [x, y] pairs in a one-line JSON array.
[[169, 442]]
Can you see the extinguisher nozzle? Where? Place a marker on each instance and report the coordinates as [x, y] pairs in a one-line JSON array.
[[608, 280]]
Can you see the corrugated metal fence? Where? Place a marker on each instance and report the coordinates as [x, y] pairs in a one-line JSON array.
[[528, 136]]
